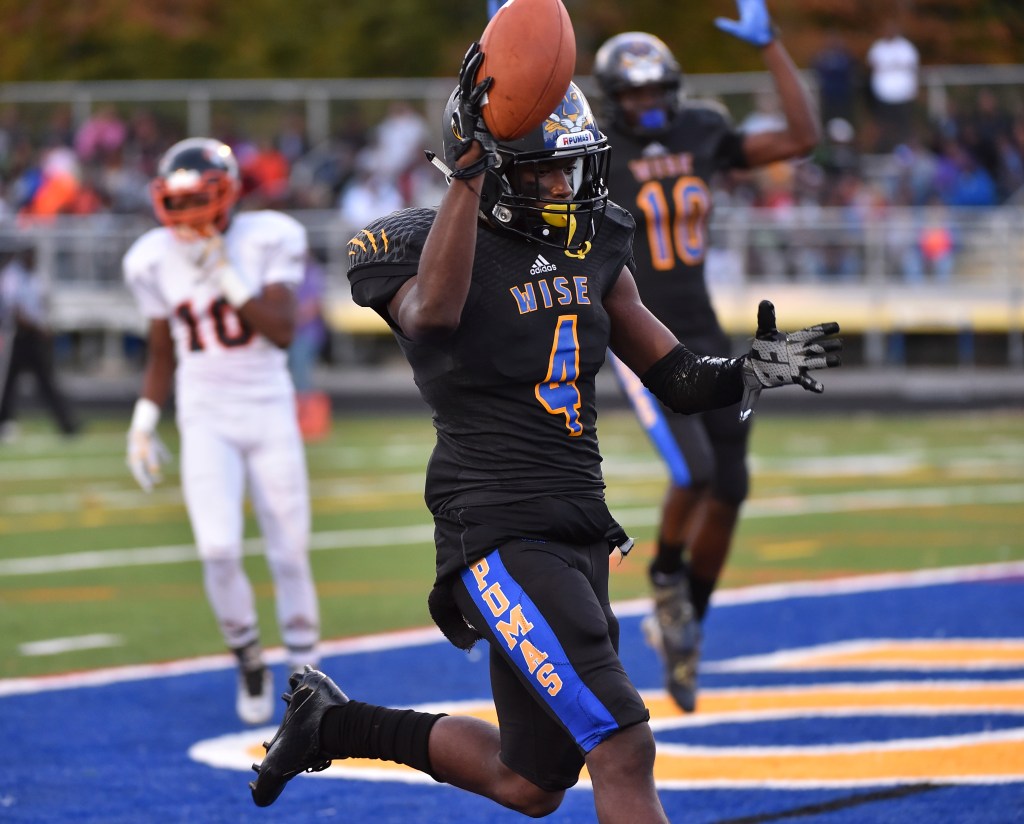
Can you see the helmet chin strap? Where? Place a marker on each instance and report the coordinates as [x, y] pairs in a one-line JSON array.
[[438, 164], [558, 215]]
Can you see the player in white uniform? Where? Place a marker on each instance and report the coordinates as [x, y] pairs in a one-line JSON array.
[[217, 290]]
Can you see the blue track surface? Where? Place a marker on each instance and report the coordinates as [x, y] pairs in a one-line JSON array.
[[120, 752]]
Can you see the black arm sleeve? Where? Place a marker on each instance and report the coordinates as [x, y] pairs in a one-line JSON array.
[[688, 383]]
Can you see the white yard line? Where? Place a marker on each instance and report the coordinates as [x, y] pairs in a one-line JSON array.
[[631, 517], [431, 635], [58, 646]]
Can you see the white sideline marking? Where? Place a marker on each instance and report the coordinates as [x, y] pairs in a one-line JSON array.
[[431, 635], [210, 663], [178, 553], [632, 517], [876, 582], [56, 646]]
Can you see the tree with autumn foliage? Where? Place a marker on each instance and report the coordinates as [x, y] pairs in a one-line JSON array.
[[198, 39]]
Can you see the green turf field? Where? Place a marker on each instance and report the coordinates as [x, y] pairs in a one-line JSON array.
[[85, 555]]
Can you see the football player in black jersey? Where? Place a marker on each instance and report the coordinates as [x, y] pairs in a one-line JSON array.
[[665, 154], [505, 300]]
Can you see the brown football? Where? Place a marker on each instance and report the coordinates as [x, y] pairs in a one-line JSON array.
[[529, 49]]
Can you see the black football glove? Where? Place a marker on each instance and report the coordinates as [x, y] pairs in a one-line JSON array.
[[468, 120], [777, 358]]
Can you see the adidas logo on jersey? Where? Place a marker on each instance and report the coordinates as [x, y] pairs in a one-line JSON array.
[[541, 265]]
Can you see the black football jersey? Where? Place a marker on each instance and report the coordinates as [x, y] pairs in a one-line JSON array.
[[665, 185], [513, 389]]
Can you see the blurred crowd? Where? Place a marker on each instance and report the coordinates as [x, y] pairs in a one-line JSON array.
[[943, 176], [104, 165], [867, 163]]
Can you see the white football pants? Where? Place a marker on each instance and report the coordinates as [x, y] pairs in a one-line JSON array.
[[257, 445]]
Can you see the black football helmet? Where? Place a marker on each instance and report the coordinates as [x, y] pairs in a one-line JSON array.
[[569, 132], [196, 186], [634, 60]]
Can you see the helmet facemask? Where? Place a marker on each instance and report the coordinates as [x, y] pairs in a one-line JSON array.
[[570, 224]]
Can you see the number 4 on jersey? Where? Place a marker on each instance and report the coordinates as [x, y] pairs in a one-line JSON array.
[[557, 393]]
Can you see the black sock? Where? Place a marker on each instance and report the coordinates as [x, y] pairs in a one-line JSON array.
[[250, 657], [669, 558], [358, 730], [700, 594]]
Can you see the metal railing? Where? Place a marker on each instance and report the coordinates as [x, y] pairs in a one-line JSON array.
[[897, 272], [324, 100]]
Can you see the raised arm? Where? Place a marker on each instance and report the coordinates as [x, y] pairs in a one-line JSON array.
[[429, 306], [803, 131]]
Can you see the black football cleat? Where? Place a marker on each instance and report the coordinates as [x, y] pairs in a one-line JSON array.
[[296, 746]]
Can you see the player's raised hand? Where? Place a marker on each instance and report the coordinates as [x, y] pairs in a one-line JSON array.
[[754, 26], [777, 358], [212, 259], [467, 120], [209, 251]]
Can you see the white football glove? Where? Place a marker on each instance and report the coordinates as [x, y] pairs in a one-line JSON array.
[[146, 452], [212, 258], [777, 358]]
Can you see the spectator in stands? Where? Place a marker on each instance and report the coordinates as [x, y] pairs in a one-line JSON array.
[[123, 184], [972, 184], [937, 243], [893, 61], [61, 190], [26, 343], [60, 128], [915, 170], [368, 196], [101, 135], [24, 173], [265, 174], [836, 71], [145, 143], [982, 128], [1011, 166], [291, 140], [837, 153], [11, 133], [399, 140]]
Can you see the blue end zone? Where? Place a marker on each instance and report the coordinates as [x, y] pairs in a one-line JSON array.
[[120, 752]]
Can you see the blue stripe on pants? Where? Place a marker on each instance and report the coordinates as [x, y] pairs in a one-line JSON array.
[[534, 649]]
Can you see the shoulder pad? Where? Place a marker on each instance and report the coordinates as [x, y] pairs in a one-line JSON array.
[[145, 252], [619, 216], [266, 221], [394, 238], [706, 108]]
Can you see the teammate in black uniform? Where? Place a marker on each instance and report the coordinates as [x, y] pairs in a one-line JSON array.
[[665, 154], [505, 299]]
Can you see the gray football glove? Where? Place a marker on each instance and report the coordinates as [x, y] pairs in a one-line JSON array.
[[777, 358]]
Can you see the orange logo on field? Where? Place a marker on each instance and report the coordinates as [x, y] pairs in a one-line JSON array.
[[956, 687]]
